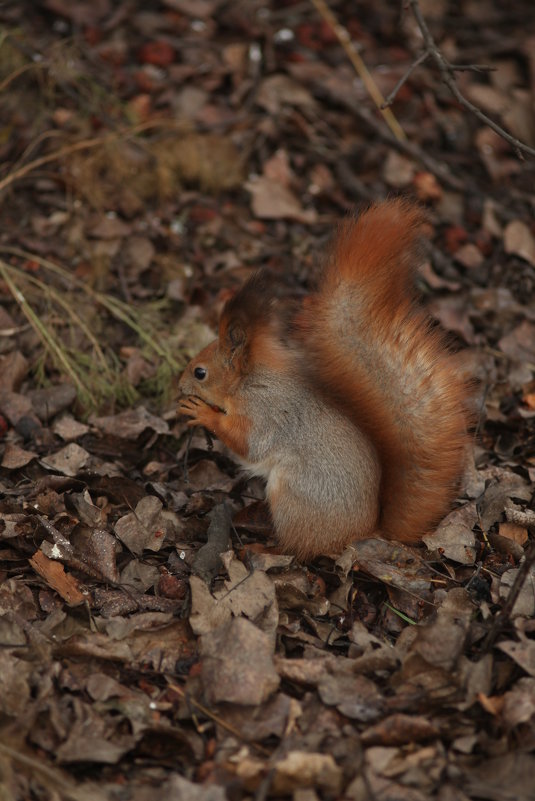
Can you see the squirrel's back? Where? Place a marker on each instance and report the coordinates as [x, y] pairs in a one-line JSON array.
[[376, 357]]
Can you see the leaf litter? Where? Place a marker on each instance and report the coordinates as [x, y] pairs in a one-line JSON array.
[[153, 639]]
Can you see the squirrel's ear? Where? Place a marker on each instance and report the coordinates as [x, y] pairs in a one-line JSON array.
[[236, 337], [234, 342]]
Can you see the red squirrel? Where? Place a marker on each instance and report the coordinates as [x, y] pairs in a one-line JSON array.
[[351, 407]]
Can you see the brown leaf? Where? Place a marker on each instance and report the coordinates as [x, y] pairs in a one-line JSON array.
[[130, 424], [14, 684], [469, 256], [68, 461], [277, 91], [250, 594], [354, 696], [454, 537], [497, 496], [148, 526], [15, 457], [13, 369], [278, 169], [523, 652], [237, 664], [109, 227], [207, 561], [54, 574], [400, 729], [299, 769], [96, 548], [491, 704], [525, 603], [441, 642], [513, 531], [16, 406], [519, 240], [519, 344], [47, 403], [398, 171], [68, 428], [390, 562], [272, 201], [503, 777], [139, 253], [519, 703]]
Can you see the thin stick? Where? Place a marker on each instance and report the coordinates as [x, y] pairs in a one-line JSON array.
[[420, 60], [212, 716], [360, 67], [504, 615], [446, 73], [39, 767]]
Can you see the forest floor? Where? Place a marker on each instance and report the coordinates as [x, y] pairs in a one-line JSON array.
[[152, 155]]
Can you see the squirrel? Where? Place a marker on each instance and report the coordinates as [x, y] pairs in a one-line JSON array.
[[351, 407]]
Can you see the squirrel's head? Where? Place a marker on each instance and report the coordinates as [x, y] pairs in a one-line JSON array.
[[249, 338], [217, 370]]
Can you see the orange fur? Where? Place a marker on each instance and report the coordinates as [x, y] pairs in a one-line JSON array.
[[375, 357]]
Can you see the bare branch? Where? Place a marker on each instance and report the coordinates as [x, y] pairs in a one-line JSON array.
[[472, 68], [420, 60], [446, 71], [504, 617]]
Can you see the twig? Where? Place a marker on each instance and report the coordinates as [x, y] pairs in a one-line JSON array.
[[436, 167], [361, 69], [216, 718], [37, 766], [446, 71], [420, 60], [472, 68], [501, 619]]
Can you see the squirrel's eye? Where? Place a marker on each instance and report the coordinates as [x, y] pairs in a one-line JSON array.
[[200, 373]]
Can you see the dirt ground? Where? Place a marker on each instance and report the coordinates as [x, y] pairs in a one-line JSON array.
[[152, 638]]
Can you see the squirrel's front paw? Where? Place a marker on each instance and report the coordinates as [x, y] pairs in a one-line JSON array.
[[200, 412]]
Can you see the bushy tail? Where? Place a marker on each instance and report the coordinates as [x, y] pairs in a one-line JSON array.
[[377, 358]]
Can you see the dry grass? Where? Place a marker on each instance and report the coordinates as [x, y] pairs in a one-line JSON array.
[[70, 342]]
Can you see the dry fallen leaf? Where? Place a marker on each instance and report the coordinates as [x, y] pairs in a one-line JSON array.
[[519, 240], [299, 769], [454, 537], [130, 424], [280, 90], [237, 664], [54, 574], [519, 344], [148, 526], [68, 461], [523, 653], [15, 457], [273, 201]]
